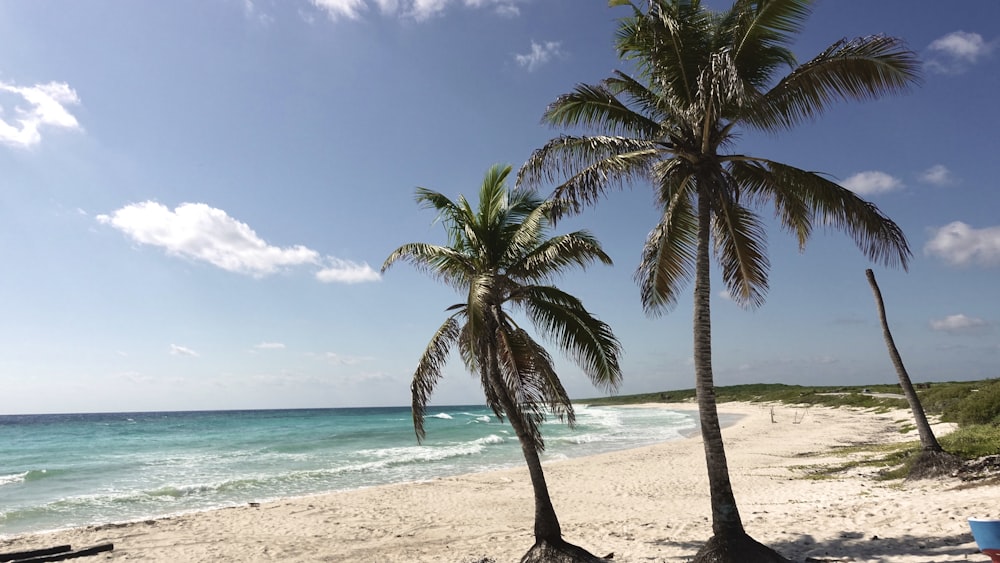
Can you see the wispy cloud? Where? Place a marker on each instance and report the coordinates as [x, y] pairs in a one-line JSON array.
[[937, 175], [955, 52], [270, 346], [254, 13], [176, 350], [959, 324], [960, 245], [345, 271], [342, 360], [419, 10], [872, 182], [341, 9], [540, 54], [38, 106], [507, 8]]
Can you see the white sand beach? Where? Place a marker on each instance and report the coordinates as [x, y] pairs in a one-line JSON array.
[[644, 505]]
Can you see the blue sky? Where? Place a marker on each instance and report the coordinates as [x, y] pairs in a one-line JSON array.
[[197, 196]]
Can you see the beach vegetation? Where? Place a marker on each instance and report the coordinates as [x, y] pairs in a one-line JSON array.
[[500, 257], [962, 402], [701, 78], [973, 441]]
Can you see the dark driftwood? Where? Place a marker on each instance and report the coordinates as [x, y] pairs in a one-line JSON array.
[[18, 555], [64, 555]]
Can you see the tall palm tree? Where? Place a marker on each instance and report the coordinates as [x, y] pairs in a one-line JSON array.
[[701, 76], [501, 257]]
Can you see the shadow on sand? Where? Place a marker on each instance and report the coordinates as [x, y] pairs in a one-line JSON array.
[[856, 545]]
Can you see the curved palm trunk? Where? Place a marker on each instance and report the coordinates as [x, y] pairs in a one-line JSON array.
[[927, 439], [725, 515], [546, 523]]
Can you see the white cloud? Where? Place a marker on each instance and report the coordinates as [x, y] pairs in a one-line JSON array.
[[540, 54], [502, 7], [201, 232], [956, 51], [726, 295], [270, 346], [195, 230], [337, 9], [344, 360], [419, 10], [46, 107], [387, 6], [425, 9], [959, 323], [959, 244], [937, 175], [962, 45], [252, 12], [872, 182], [345, 271], [176, 350]]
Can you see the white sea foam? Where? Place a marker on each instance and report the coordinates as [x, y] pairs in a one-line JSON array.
[[477, 417], [442, 415], [491, 439], [13, 478]]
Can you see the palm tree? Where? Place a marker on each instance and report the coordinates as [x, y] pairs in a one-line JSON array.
[[701, 77], [932, 461], [501, 258]]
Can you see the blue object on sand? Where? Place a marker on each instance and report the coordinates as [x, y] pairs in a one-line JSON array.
[[987, 535]]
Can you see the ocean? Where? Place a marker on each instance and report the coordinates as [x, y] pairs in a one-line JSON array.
[[60, 471]]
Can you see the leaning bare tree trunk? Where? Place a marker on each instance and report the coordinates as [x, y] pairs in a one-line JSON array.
[[933, 460], [729, 542]]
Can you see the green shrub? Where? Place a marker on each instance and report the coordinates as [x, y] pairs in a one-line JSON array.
[[945, 399], [981, 407], [971, 442]]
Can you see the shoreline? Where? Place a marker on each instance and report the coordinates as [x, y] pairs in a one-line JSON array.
[[648, 503]]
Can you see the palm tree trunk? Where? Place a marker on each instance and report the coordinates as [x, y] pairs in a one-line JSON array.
[[725, 515], [546, 522], [927, 439]]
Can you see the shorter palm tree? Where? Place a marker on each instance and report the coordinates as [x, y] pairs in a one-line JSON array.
[[932, 461], [501, 258]]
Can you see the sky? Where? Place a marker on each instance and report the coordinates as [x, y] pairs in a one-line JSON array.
[[197, 196]]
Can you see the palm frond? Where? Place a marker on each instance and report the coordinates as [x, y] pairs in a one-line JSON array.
[[651, 108], [557, 400], [597, 106], [516, 369], [590, 166], [833, 205], [862, 69], [741, 249], [668, 257], [588, 341], [760, 34], [556, 254], [762, 184], [440, 262], [428, 371], [667, 45]]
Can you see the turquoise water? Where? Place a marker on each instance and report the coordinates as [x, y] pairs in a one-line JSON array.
[[59, 471]]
